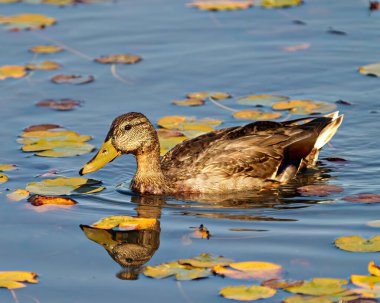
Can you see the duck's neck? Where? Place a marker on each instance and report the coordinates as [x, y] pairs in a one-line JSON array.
[[149, 178]]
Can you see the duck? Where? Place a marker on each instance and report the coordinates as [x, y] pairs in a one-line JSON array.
[[255, 156]]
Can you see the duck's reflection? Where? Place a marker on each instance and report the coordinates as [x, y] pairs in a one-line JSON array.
[[131, 249]]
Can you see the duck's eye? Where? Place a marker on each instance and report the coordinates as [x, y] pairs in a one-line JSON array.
[[129, 260], [127, 127]]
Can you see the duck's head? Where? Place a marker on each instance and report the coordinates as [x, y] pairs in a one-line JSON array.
[[131, 133]]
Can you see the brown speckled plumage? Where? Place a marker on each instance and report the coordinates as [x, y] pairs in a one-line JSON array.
[[239, 158]]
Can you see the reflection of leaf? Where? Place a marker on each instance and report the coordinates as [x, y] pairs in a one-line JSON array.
[[64, 186], [12, 71], [125, 222], [363, 198], [250, 114], [358, 244], [12, 279], [205, 260], [221, 5], [371, 70], [280, 3], [72, 79], [319, 286], [319, 190], [27, 21], [44, 65], [38, 200], [46, 49], [261, 100], [119, 59], [18, 195], [182, 272], [247, 293], [3, 178]]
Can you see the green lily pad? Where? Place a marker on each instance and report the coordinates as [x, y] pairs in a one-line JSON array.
[[319, 286], [205, 260], [181, 272], [358, 244]]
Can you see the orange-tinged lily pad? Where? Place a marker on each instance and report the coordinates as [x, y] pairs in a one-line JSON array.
[[221, 5], [205, 260], [18, 195], [26, 21], [38, 200], [125, 222], [250, 114], [12, 71], [280, 3], [319, 286], [189, 102], [62, 104], [119, 59], [44, 65], [12, 279], [372, 70], [181, 272], [72, 79], [204, 95], [319, 190], [247, 293], [358, 244], [46, 49], [3, 178]]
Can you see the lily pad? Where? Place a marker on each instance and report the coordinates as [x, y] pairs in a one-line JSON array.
[[358, 244], [319, 286], [39, 127], [62, 104], [250, 114], [205, 260], [12, 279], [181, 272], [204, 95], [167, 144], [26, 21], [189, 102], [46, 49], [12, 71], [372, 70], [319, 190], [367, 282], [247, 293], [279, 284], [72, 79], [183, 123], [303, 299], [119, 59], [125, 222], [373, 269], [64, 186], [38, 200], [363, 198], [3, 178], [221, 5], [305, 107], [257, 269], [18, 195], [280, 3], [44, 65], [7, 167], [261, 100]]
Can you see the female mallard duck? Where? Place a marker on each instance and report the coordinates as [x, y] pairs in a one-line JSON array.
[[237, 158]]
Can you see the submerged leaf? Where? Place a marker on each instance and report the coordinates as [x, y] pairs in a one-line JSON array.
[[247, 293], [181, 272], [205, 260], [38, 200], [278, 284], [72, 79], [12, 71], [251, 114], [358, 244], [46, 49], [119, 59], [64, 186], [363, 198], [221, 5], [12, 279], [18, 195], [319, 190], [125, 222], [319, 286]]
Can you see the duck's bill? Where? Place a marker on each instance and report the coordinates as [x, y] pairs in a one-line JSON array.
[[105, 155]]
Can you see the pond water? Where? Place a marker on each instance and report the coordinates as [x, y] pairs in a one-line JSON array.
[[186, 50]]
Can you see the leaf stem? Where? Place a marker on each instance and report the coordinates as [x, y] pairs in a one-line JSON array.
[[221, 105], [117, 76], [183, 293], [13, 293]]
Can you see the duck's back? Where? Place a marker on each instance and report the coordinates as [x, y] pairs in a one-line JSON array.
[[246, 157]]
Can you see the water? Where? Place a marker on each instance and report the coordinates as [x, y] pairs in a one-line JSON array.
[[186, 50]]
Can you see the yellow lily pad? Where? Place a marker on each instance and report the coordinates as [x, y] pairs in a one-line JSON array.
[[319, 286], [3, 178], [261, 100], [251, 114], [247, 293], [304, 107], [205, 95], [181, 272], [119, 59], [258, 270], [6, 167], [280, 3], [46, 49], [76, 149], [189, 102], [358, 244], [367, 282], [18, 195], [367, 293], [373, 269], [125, 222], [12, 279], [221, 5], [64, 186], [9, 1], [183, 123], [205, 260], [26, 21], [12, 71], [303, 299], [372, 70], [44, 65], [167, 144], [38, 200]]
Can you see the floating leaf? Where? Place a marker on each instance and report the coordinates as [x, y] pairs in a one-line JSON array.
[[250, 114], [363, 198], [302, 299], [78, 149], [9, 1], [12, 71], [358, 244], [46, 49], [3, 178], [72, 79], [38, 200], [261, 100], [189, 102], [304, 107], [231, 273], [367, 282], [374, 223], [26, 21], [319, 286], [205, 260], [280, 3], [221, 5], [247, 293], [64, 186], [319, 190], [188, 123], [119, 59], [258, 270], [278, 284], [181, 272], [367, 293], [18, 195], [44, 65], [167, 144], [6, 167], [205, 95], [125, 222], [39, 127], [373, 269], [12, 279], [62, 104]]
